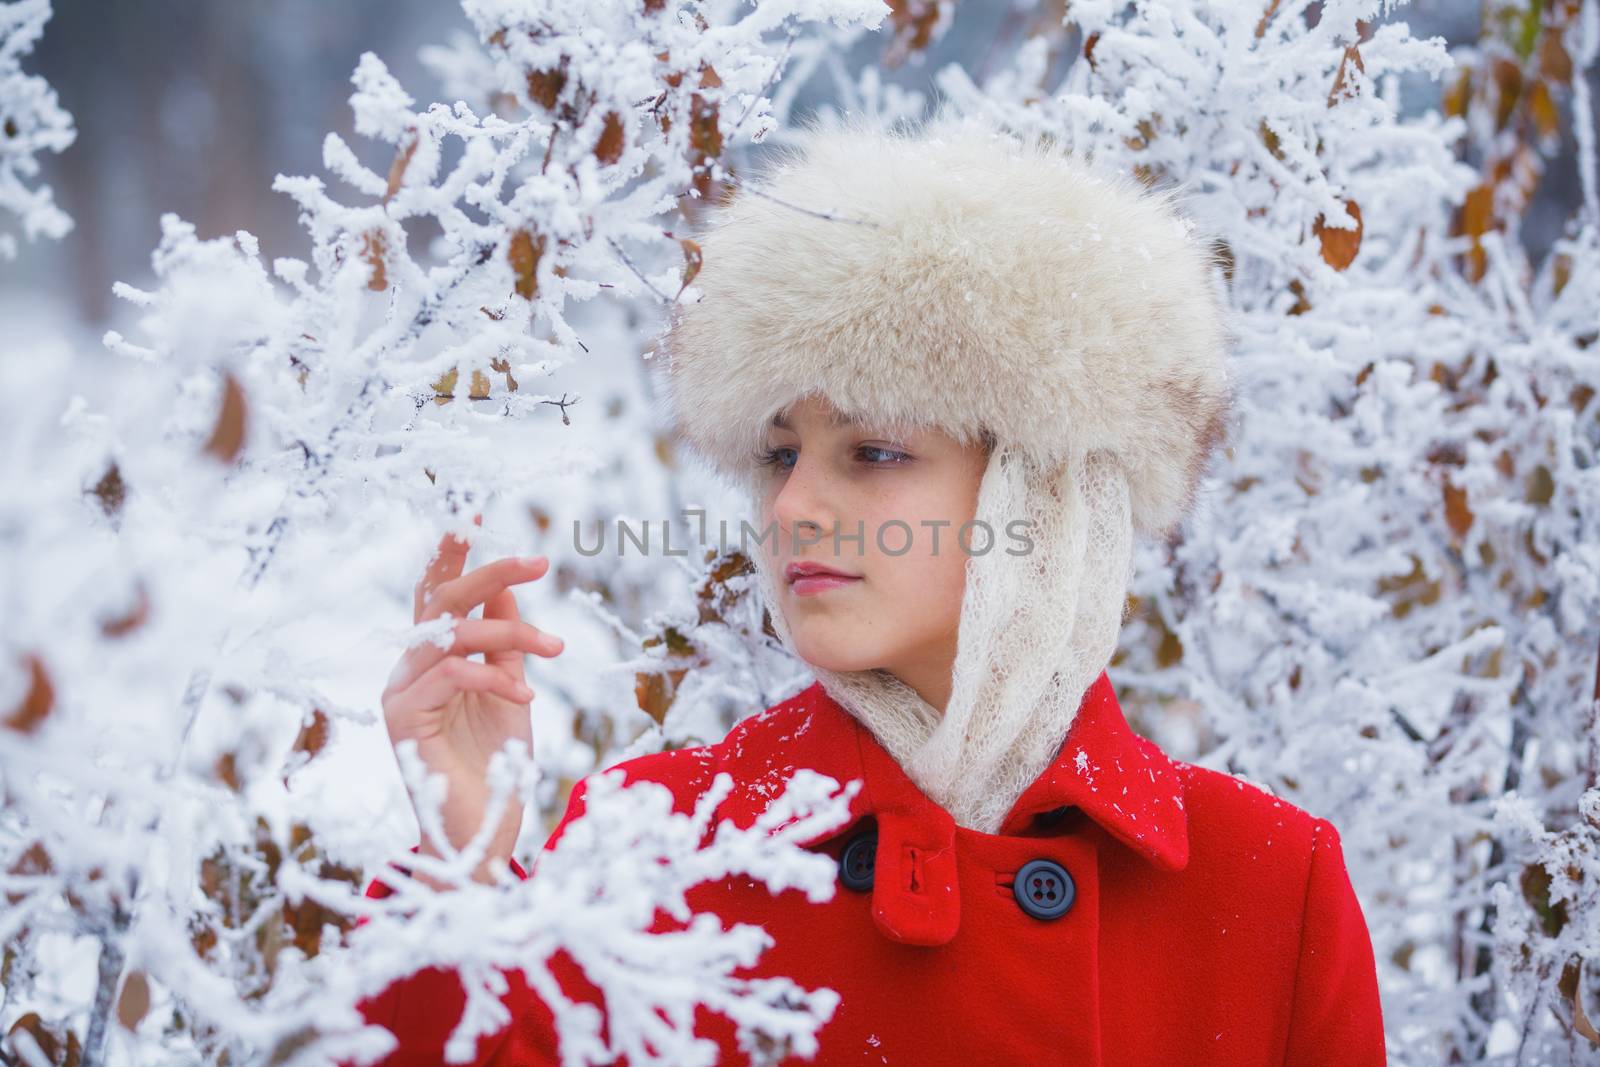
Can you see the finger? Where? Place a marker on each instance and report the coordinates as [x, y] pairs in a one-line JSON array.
[[452, 676], [492, 637], [446, 563], [502, 607], [460, 595]]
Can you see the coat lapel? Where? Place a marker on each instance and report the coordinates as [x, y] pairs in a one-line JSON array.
[[1122, 781]]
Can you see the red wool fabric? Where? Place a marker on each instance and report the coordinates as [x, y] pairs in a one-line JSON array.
[[1211, 924]]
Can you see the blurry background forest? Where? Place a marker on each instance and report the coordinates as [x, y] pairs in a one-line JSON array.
[[192, 107]]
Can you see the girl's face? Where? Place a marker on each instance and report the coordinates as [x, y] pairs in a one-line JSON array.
[[886, 512]]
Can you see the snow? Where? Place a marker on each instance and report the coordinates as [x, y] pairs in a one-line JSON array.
[[1345, 648]]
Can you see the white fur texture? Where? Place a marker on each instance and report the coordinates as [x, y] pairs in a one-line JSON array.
[[965, 280]]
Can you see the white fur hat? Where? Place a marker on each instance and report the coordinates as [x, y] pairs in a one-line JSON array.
[[954, 276]]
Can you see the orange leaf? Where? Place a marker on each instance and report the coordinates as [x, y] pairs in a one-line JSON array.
[[1571, 986], [226, 771], [124, 624], [650, 691], [1507, 77], [1266, 17], [68, 1053], [1455, 99], [524, 253], [306, 919], [612, 139], [692, 258], [914, 22], [1339, 246], [544, 86], [38, 701], [110, 491], [1554, 63], [1477, 211], [134, 1000], [1457, 512], [373, 246], [313, 735], [33, 862], [704, 133], [504, 367], [1545, 117], [397, 169], [227, 438], [1341, 82]]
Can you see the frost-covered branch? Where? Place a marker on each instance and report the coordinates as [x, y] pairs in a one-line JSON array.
[[1386, 604], [192, 571], [31, 121]]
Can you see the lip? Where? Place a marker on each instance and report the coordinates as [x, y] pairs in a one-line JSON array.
[[809, 579], [807, 569]]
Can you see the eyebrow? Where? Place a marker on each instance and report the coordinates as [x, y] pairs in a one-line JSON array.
[[835, 418]]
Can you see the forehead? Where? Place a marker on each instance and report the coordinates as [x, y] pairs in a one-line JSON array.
[[821, 407], [833, 415]]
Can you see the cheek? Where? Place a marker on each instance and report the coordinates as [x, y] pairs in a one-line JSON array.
[[931, 577], [922, 589]]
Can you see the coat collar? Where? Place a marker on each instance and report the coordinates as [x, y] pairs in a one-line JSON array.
[[1122, 781]]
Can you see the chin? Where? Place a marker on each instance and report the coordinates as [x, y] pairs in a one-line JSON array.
[[836, 653]]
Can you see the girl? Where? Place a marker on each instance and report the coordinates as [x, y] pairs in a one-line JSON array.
[[955, 376]]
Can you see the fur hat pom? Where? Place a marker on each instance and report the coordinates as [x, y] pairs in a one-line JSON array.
[[955, 277]]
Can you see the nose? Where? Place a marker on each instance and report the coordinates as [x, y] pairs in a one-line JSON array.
[[801, 506]]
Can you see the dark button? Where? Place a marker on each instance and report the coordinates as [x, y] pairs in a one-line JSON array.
[[857, 861], [1053, 816], [1044, 889]]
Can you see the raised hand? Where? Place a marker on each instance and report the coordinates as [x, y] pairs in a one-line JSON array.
[[460, 711]]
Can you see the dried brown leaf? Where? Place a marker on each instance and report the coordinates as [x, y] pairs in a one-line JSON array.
[[227, 437], [613, 139], [524, 252], [1339, 246], [692, 260], [397, 169], [37, 702], [1457, 511], [110, 491], [134, 1001], [130, 620], [226, 771], [374, 246]]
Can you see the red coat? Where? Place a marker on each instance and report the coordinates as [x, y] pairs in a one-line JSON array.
[[1207, 922]]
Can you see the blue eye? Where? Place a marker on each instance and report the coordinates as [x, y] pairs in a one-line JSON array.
[[769, 458], [872, 455], [895, 457]]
